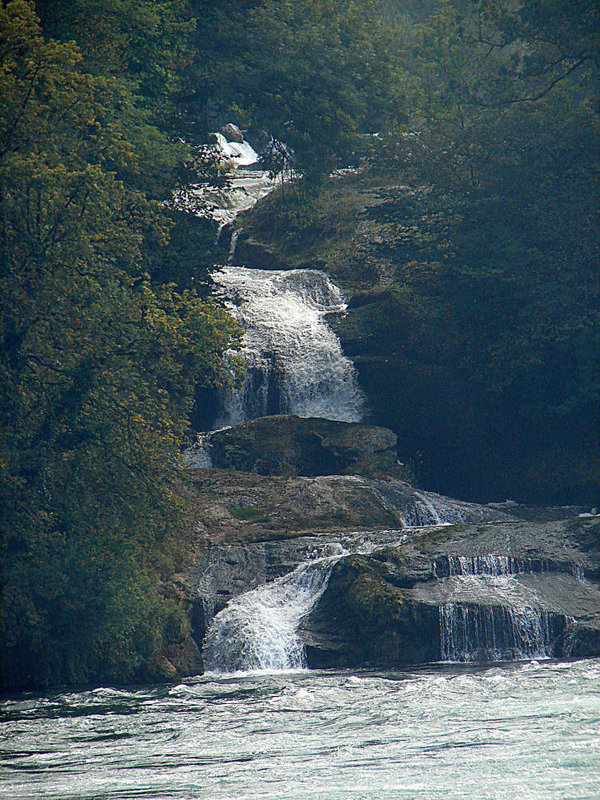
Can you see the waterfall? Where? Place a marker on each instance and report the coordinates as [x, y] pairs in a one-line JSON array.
[[198, 454], [494, 633], [294, 361], [489, 615], [242, 154], [258, 630]]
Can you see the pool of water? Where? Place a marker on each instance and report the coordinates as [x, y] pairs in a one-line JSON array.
[[526, 731]]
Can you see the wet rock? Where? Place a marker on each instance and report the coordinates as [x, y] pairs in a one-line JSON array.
[[230, 507], [363, 620], [251, 253], [387, 608]]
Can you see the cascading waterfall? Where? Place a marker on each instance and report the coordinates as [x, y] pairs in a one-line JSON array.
[[198, 454], [258, 630], [242, 154], [294, 361], [429, 508], [489, 615], [295, 364]]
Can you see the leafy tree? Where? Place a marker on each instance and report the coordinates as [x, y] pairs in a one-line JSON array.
[[313, 74], [98, 366], [504, 135]]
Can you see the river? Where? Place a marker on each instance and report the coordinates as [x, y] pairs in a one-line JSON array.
[[523, 730]]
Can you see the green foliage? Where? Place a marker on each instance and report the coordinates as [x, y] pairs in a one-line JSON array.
[[314, 74], [471, 234], [98, 365], [249, 514], [505, 138]]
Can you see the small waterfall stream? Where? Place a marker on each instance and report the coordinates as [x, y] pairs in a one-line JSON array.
[[489, 615], [258, 630]]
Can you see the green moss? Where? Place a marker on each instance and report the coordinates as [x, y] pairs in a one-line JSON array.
[[249, 514]]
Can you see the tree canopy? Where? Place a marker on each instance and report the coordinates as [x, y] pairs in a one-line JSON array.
[[99, 364]]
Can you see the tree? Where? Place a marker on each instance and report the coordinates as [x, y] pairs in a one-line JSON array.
[[312, 74], [502, 150], [98, 366]]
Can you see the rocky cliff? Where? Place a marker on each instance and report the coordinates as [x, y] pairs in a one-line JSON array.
[[396, 589], [478, 412], [397, 605]]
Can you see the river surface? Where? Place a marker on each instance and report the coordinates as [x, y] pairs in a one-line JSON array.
[[528, 730]]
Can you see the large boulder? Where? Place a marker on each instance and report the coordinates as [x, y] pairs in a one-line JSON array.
[[232, 133], [249, 252], [289, 445]]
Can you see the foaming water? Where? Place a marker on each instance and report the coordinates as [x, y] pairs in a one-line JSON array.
[[527, 731], [258, 630], [294, 361], [488, 614]]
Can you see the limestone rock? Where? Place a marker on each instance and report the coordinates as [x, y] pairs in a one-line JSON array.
[[385, 609]]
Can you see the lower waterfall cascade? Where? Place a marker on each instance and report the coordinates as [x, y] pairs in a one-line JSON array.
[[258, 630]]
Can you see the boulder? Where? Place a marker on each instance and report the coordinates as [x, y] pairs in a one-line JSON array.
[[289, 445], [232, 133], [251, 253]]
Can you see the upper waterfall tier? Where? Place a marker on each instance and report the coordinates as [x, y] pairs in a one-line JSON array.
[[294, 361]]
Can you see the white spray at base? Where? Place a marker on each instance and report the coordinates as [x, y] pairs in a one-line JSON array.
[[259, 630]]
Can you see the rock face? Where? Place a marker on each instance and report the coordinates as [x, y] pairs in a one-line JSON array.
[[488, 588], [251, 253], [232, 507], [517, 589], [290, 445], [419, 349]]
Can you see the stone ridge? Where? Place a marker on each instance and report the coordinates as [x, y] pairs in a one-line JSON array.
[[383, 609]]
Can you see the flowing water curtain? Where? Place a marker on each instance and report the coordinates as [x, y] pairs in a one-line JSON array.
[[294, 361], [258, 630]]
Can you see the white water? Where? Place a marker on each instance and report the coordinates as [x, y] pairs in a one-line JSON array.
[[489, 615], [242, 154], [198, 454], [294, 361], [258, 630], [245, 188], [429, 508], [510, 732], [514, 632]]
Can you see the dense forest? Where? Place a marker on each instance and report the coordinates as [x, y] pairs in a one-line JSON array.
[[472, 127]]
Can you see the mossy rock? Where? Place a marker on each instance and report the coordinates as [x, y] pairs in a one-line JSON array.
[[363, 620], [289, 445]]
